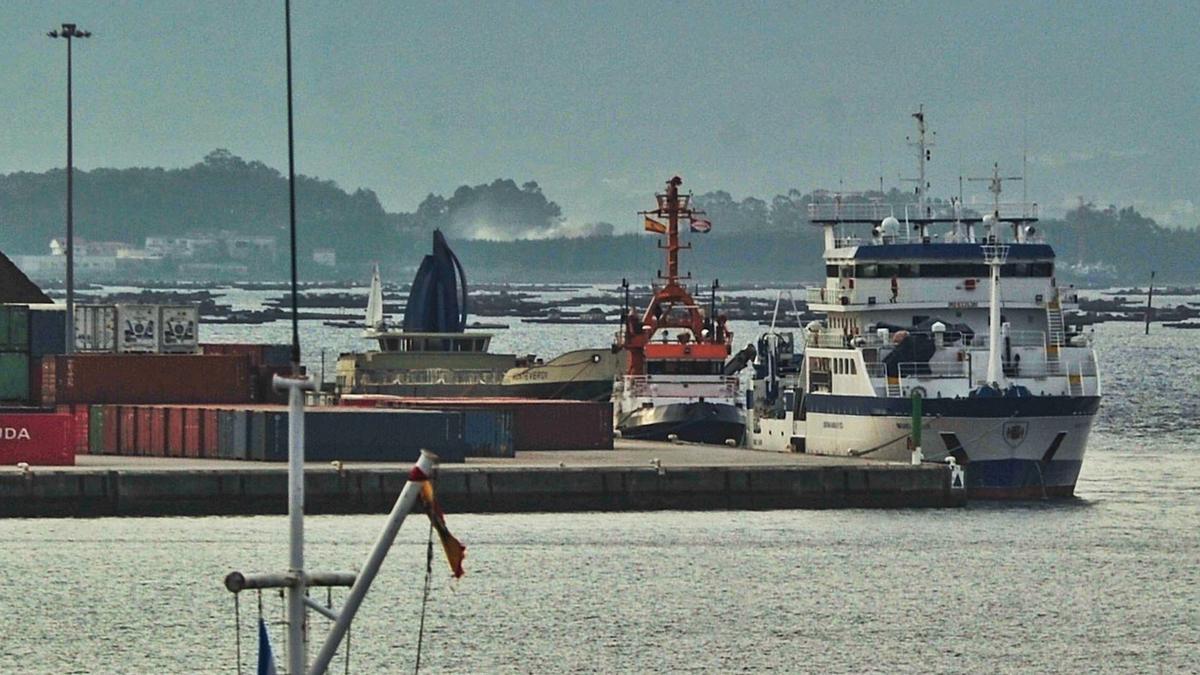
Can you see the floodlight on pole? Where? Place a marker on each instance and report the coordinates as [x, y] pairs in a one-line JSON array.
[[70, 31]]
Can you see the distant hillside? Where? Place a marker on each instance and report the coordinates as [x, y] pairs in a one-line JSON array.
[[222, 192], [510, 231]]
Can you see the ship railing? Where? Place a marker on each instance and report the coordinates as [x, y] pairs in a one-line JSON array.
[[644, 386], [1016, 338], [858, 211], [422, 376]]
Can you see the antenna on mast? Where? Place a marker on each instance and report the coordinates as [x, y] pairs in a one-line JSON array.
[[923, 144], [995, 186]]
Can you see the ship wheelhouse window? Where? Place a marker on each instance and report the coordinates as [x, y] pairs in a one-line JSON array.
[[683, 367]]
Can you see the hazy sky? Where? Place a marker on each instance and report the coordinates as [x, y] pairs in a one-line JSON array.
[[601, 102]]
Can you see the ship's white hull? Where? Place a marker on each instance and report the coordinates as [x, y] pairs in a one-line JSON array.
[[1011, 448]]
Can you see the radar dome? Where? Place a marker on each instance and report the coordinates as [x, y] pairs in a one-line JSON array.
[[890, 224]]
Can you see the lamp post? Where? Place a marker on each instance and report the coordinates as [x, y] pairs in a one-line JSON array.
[[69, 31]]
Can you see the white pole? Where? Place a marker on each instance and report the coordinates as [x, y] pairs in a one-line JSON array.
[[297, 656], [404, 504], [995, 371]]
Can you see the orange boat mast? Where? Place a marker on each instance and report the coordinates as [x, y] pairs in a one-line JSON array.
[[671, 306]]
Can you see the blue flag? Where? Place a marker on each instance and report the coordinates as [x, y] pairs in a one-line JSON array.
[[266, 660]]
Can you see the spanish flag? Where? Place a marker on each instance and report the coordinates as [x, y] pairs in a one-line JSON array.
[[653, 225], [455, 551]]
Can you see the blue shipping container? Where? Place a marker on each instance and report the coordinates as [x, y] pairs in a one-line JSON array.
[[380, 436], [47, 332], [488, 433]]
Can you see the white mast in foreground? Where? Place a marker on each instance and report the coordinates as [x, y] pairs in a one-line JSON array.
[[995, 255]]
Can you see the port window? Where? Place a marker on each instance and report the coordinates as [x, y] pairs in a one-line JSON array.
[[910, 270], [869, 271]]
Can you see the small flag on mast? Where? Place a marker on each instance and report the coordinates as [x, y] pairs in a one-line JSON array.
[[266, 659], [700, 225], [455, 551], [653, 225]]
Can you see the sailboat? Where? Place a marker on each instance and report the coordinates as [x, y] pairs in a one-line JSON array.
[[374, 322]]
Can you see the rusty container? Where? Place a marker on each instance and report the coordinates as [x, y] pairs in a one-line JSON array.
[[152, 379], [175, 431]]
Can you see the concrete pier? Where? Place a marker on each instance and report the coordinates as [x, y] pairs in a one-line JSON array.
[[636, 476]]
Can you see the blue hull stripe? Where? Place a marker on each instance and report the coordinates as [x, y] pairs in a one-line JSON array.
[[1021, 473], [1030, 406]]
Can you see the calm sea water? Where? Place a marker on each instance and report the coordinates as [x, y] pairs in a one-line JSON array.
[[1107, 582]]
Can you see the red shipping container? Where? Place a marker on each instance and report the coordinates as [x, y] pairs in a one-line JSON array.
[[81, 413], [193, 436], [112, 430], [49, 382], [212, 433], [152, 379], [37, 439], [175, 442], [158, 431], [144, 443], [127, 417]]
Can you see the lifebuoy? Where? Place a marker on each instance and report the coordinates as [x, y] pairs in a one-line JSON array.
[[918, 390]]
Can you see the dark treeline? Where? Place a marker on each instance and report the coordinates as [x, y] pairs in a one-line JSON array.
[[511, 231]]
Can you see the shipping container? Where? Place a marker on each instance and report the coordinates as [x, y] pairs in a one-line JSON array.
[[193, 432], [179, 328], [257, 444], [127, 419], [381, 435], [240, 435], [176, 447], [112, 429], [150, 379], [158, 430], [137, 329], [14, 377], [260, 354], [211, 433], [538, 424], [488, 433], [47, 331], [144, 442], [14, 328], [39, 439], [96, 429], [95, 328], [49, 385], [225, 434], [79, 417]]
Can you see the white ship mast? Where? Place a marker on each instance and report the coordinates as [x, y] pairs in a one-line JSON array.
[[923, 144]]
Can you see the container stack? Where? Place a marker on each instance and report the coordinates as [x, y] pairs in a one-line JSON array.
[[260, 433], [14, 354], [27, 333], [538, 424]]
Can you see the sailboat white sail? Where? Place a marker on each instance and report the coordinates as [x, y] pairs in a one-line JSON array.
[[374, 318]]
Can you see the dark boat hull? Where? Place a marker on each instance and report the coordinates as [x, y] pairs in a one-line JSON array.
[[698, 422]]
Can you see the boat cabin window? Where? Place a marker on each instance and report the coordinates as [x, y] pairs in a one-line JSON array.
[[684, 367], [937, 270]]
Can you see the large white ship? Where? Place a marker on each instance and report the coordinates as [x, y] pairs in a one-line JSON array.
[[941, 315]]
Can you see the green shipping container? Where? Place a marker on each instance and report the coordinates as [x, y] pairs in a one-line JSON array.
[[96, 430], [14, 328], [14, 377]]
